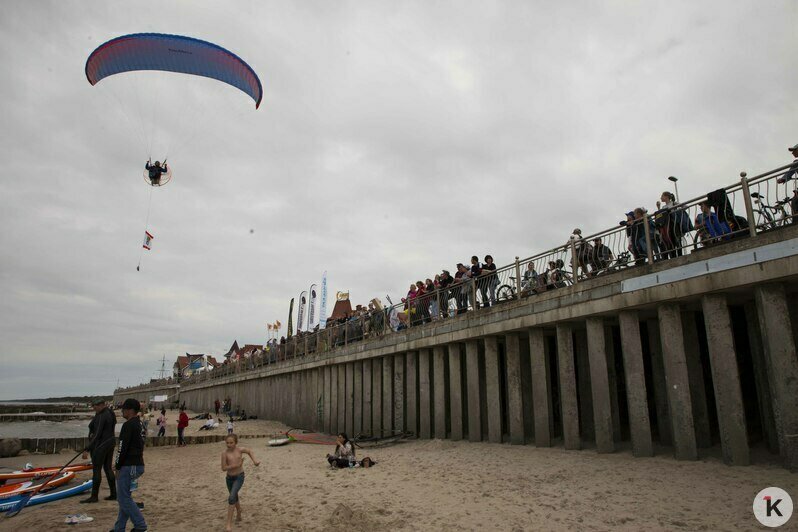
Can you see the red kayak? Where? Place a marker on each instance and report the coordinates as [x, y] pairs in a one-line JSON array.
[[311, 437], [40, 472], [11, 490]]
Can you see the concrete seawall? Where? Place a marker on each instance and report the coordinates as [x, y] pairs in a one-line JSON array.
[[694, 352]]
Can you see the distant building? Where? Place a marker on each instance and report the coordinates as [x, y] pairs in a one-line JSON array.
[[186, 366], [249, 349], [342, 308], [232, 354]]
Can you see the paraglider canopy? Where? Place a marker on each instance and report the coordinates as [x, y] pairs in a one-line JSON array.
[[172, 53]]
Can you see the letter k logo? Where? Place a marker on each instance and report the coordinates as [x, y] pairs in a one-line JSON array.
[[771, 506]]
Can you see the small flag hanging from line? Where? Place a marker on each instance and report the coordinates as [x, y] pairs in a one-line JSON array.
[[147, 240]]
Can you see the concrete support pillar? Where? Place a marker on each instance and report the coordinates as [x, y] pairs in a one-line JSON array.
[[568, 404], [387, 395], [695, 373], [376, 396], [726, 380], [350, 399], [472, 385], [634, 374], [515, 405], [493, 389], [782, 367], [455, 393], [411, 394], [357, 427], [659, 384], [328, 400], [334, 427], [599, 385], [341, 368], [368, 427], [761, 378], [585, 395], [679, 404], [399, 393], [439, 354], [541, 387], [609, 346], [424, 395]]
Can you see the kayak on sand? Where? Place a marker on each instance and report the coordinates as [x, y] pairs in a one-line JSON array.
[[19, 488], [11, 502], [41, 472]]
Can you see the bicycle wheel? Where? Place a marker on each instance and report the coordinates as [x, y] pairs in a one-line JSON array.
[[763, 220], [505, 292]]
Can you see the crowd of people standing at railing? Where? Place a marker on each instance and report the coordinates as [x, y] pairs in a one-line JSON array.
[[475, 285]]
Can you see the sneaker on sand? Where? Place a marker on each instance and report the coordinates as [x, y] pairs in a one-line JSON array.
[[76, 519]]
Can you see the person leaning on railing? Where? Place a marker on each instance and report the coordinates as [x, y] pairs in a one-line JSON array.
[[601, 257], [529, 283], [710, 228], [444, 283], [461, 281], [490, 282]]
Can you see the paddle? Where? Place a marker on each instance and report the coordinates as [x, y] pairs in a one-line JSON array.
[[23, 501], [25, 498]]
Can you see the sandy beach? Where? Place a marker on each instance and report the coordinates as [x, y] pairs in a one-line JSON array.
[[427, 485]]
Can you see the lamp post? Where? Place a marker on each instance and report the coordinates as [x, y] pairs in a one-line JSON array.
[[675, 187]]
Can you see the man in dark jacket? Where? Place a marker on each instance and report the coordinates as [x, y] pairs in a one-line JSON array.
[[129, 466], [155, 171], [101, 432]]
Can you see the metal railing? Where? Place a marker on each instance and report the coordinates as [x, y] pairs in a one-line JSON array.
[[740, 210]]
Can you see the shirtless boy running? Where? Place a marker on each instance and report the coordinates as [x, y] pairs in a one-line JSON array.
[[233, 464]]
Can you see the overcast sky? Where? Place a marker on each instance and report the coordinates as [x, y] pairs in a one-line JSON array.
[[394, 139]]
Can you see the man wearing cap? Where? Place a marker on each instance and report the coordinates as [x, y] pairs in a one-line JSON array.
[[101, 447], [129, 466]]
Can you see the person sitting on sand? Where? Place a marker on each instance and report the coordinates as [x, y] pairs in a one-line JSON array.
[[344, 453], [233, 464], [210, 424]]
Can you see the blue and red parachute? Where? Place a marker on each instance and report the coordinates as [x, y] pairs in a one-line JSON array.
[[173, 53]]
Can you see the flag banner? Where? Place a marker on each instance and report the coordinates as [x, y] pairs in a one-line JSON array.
[[290, 318], [147, 240], [323, 302], [300, 317], [312, 307]]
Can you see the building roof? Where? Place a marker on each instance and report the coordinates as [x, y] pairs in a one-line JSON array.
[[341, 310], [233, 350], [248, 349]]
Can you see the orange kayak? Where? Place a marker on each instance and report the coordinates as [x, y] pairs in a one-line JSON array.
[[40, 472], [10, 490]]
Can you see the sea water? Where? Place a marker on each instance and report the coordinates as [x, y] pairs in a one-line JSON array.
[[72, 428]]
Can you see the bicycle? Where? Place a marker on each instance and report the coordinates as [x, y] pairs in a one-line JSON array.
[[770, 216], [506, 292], [622, 261]]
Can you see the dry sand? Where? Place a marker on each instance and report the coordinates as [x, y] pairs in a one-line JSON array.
[[428, 485]]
